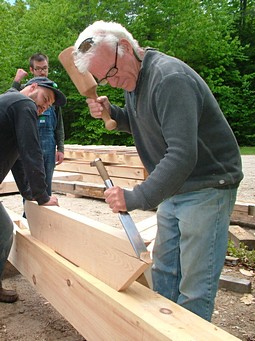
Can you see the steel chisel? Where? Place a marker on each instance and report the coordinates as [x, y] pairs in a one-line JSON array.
[[128, 224]]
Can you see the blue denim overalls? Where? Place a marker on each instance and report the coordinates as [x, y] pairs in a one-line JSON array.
[[47, 124]]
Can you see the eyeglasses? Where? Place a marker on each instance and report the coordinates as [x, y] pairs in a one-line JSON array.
[[38, 68], [86, 45], [112, 72]]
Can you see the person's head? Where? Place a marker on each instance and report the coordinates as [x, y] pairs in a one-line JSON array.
[[110, 53], [44, 93], [39, 65]]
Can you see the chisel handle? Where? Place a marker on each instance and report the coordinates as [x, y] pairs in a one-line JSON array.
[[103, 172]]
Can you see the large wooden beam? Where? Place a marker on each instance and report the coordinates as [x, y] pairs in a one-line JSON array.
[[99, 312], [102, 250]]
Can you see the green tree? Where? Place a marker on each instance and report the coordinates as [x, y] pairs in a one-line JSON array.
[[215, 37], [9, 16]]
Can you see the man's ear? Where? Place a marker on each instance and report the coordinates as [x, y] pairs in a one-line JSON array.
[[33, 87], [126, 46]]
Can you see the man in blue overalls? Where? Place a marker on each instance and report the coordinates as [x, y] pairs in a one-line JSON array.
[[50, 124]]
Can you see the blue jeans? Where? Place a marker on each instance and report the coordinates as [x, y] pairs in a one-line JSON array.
[[49, 157], [191, 246], [6, 237]]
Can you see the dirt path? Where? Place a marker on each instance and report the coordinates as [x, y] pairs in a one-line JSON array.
[[33, 318]]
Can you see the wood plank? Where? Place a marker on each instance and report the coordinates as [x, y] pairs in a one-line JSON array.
[[90, 190], [243, 215], [102, 250], [147, 223], [243, 207], [63, 186], [79, 188], [9, 184], [121, 171], [97, 311], [238, 235], [8, 187], [68, 176], [235, 284], [148, 229], [122, 182]]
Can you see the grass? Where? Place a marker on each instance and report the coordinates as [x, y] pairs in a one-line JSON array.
[[246, 257], [247, 150]]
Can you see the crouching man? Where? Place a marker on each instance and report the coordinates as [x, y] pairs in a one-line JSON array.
[[19, 112]]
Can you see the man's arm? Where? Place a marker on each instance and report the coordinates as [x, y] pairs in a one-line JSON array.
[[59, 136], [21, 180], [29, 148], [59, 132], [20, 74]]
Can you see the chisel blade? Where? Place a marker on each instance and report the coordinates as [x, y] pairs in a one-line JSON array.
[[132, 233], [129, 226]]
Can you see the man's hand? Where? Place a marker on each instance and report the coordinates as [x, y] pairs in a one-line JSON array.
[[96, 106], [114, 197], [52, 202], [59, 157], [20, 74]]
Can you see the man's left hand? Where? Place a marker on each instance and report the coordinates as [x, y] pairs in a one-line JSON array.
[[59, 157]]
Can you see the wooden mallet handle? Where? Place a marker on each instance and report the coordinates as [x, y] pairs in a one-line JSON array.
[[84, 82]]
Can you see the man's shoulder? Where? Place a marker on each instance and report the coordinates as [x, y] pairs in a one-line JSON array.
[[15, 102], [13, 95], [12, 90]]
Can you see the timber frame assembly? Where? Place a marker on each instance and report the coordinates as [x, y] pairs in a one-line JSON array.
[[88, 271]]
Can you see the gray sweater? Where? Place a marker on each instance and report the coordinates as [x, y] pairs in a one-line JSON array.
[[180, 133]]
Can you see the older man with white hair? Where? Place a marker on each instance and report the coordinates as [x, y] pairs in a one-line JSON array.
[[188, 149]]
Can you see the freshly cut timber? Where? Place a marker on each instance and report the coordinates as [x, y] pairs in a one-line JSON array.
[[96, 310], [101, 250]]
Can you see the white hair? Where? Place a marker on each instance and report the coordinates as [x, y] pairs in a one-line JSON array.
[[100, 31]]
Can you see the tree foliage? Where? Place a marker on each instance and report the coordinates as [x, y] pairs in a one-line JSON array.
[[216, 38]]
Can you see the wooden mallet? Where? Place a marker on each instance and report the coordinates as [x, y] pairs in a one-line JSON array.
[[84, 82]]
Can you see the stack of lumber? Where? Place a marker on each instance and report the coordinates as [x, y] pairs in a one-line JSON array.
[[122, 164], [242, 228]]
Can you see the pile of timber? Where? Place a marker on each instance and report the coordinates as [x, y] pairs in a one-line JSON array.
[[242, 227], [122, 164]]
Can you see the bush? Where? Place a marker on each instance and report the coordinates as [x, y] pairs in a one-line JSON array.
[[247, 257]]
